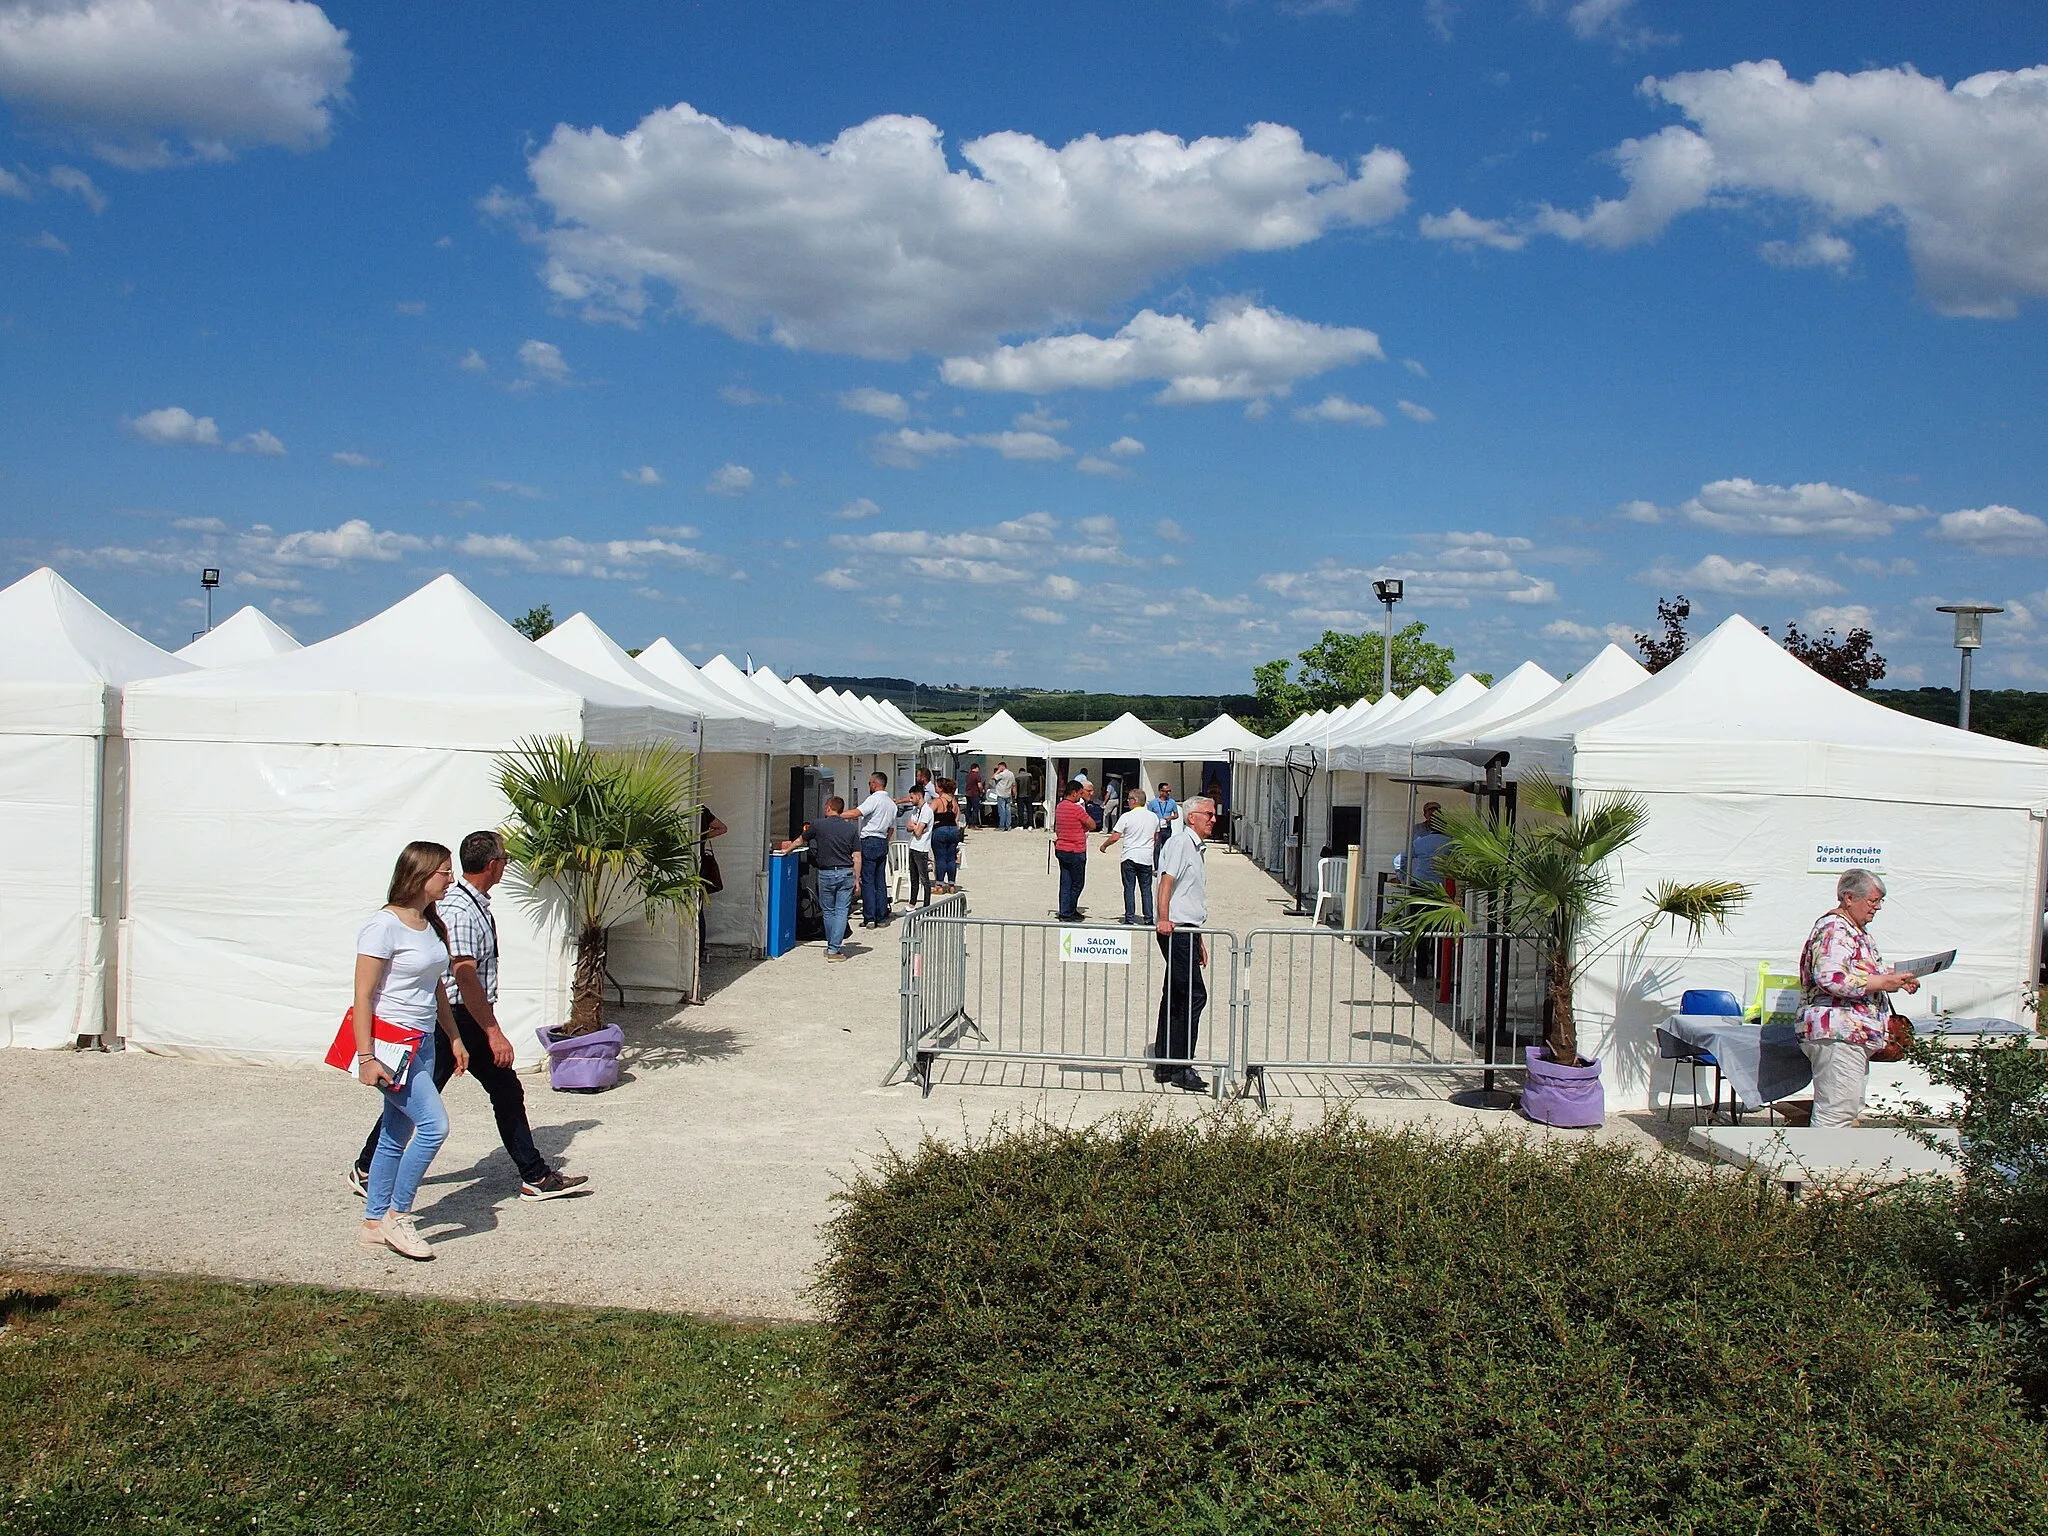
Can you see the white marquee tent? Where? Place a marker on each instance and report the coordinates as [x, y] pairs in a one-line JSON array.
[[734, 782], [63, 774], [1755, 768], [269, 800], [248, 634]]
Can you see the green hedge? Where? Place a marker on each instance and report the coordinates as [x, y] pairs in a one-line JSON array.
[[1233, 1328]]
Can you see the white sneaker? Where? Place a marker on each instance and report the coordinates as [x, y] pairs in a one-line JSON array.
[[402, 1235]]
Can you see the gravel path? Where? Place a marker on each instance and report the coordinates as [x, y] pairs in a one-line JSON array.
[[713, 1164]]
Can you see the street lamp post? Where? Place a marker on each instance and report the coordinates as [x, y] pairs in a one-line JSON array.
[[1389, 593], [209, 578], [1969, 638]]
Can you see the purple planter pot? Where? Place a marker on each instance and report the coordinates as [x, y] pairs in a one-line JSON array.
[[583, 1063], [1559, 1095]]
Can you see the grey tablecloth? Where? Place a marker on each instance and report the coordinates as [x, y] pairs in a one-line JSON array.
[[1763, 1063]]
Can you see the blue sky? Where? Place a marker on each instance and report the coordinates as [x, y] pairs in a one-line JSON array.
[[1118, 347]]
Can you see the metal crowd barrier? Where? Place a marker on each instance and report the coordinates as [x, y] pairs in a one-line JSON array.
[[1346, 1001], [1085, 997]]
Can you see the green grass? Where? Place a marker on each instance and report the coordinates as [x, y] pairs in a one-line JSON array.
[[189, 1406]]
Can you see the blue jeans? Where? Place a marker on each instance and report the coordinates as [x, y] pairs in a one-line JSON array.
[[835, 900], [1137, 881], [945, 855], [1005, 808], [874, 879], [1073, 875], [415, 1125]]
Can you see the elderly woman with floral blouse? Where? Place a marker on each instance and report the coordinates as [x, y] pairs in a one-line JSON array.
[[1846, 1001]]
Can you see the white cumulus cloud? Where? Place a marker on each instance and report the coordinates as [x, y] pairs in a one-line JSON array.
[[1414, 412], [869, 401], [1994, 529], [353, 540], [1812, 509], [543, 359], [730, 480], [1041, 615], [1337, 408], [875, 244], [1957, 168], [1244, 352], [646, 474], [1745, 578], [354, 460], [263, 443], [857, 510], [173, 426], [1462, 228], [608, 559], [153, 82], [69, 178]]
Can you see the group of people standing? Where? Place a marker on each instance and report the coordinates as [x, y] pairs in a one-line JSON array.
[[434, 935]]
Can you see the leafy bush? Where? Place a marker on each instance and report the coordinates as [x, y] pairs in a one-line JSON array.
[[1981, 1242], [1143, 1327]]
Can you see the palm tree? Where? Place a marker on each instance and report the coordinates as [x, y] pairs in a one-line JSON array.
[[603, 833], [1550, 878]]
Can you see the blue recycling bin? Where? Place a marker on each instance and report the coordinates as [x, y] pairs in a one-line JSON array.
[[785, 871]]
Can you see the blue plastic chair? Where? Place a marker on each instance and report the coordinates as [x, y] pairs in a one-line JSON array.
[[1710, 1001]]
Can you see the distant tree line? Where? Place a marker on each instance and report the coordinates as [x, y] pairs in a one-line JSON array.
[[2011, 714]]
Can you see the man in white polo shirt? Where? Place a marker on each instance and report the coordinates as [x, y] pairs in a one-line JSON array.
[[1183, 905], [877, 817]]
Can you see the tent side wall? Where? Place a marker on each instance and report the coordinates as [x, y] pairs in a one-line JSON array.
[[251, 867], [1958, 877], [52, 935], [736, 788]]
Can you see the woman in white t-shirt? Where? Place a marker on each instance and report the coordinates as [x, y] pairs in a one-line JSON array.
[[401, 955]]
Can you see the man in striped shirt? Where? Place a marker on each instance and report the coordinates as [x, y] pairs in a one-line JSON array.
[[473, 979]]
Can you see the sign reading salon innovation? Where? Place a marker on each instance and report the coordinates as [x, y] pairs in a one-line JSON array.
[[1833, 858], [1095, 947]]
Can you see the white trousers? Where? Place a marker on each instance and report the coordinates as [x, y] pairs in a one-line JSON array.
[[1841, 1073]]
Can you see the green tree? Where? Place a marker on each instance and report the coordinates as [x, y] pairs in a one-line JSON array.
[[1342, 668], [602, 835], [1548, 876], [535, 622]]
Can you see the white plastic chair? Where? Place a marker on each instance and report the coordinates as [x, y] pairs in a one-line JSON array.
[[1329, 887]]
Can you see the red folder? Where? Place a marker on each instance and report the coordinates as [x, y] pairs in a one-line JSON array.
[[342, 1054]]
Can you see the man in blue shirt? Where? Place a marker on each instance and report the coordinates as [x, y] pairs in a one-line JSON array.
[[1166, 808]]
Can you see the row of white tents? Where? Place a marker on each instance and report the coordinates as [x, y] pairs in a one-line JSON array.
[[1185, 762], [192, 840], [1754, 767]]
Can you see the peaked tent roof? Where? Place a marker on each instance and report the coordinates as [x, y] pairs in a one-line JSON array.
[[1525, 687], [1125, 736], [1001, 736], [1219, 736], [1382, 746], [1608, 675], [579, 641], [860, 736], [248, 634], [889, 708], [789, 733], [438, 669], [1738, 713], [823, 732], [66, 661]]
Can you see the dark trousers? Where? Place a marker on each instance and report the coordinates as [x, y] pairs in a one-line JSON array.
[[874, 879], [1137, 882], [920, 875], [1073, 875], [1182, 998], [508, 1098], [972, 804]]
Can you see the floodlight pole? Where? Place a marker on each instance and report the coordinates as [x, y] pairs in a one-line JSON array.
[[209, 578], [1969, 638], [1389, 593]]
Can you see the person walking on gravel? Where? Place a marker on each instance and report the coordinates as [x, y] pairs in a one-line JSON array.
[[472, 933], [401, 953]]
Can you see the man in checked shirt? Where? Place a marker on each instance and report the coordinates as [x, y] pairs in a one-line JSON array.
[[473, 978]]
